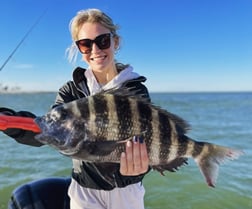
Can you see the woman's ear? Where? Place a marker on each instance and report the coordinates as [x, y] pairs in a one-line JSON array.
[[117, 42]]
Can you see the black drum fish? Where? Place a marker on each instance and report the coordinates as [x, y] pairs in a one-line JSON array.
[[97, 127]]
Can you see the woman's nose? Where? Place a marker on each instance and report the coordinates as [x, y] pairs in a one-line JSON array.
[[95, 48]]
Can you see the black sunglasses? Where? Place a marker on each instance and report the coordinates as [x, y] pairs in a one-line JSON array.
[[102, 41]]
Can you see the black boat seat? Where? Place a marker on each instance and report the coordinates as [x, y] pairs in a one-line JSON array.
[[48, 193]]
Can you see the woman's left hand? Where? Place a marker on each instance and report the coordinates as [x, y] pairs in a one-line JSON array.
[[135, 160]]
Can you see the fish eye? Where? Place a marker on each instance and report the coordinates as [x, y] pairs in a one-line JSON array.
[[63, 114]]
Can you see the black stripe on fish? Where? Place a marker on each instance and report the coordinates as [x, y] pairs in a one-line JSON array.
[[100, 106], [183, 141], [83, 109], [145, 117], [198, 149], [165, 134], [101, 115], [124, 116]]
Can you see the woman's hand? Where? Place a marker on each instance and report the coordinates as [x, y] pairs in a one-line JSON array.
[[135, 160]]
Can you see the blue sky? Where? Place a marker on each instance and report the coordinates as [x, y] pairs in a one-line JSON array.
[[179, 45]]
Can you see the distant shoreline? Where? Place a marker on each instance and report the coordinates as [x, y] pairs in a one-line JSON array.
[[151, 92], [26, 92]]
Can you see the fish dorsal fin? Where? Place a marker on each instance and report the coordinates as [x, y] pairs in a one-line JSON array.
[[131, 92], [181, 125]]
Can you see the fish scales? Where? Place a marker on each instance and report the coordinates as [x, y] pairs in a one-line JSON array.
[[109, 119], [138, 120], [113, 116], [92, 117], [136, 117], [174, 141], [153, 145], [185, 147], [167, 131], [123, 111], [160, 128], [147, 125], [80, 108], [102, 117], [96, 129], [198, 149], [99, 109]]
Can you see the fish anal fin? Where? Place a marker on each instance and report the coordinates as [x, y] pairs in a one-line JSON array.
[[172, 166]]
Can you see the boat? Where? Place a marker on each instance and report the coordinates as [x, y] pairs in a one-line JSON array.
[[47, 193]]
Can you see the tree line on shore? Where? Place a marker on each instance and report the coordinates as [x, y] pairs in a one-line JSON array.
[[6, 88]]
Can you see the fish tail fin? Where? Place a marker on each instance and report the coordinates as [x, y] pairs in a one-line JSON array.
[[210, 157]]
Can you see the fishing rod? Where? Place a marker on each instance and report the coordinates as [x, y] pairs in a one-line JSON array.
[[22, 40]]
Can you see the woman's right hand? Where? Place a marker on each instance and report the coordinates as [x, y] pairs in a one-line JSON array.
[[6, 111], [20, 135], [134, 161]]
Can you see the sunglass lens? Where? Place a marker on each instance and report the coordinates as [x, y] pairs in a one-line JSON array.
[[103, 41], [85, 45]]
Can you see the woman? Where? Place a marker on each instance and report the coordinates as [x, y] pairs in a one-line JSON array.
[[94, 185]]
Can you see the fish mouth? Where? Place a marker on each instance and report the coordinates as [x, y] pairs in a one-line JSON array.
[[51, 134], [40, 121], [56, 135]]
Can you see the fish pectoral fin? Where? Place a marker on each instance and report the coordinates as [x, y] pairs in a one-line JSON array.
[[101, 148], [172, 166]]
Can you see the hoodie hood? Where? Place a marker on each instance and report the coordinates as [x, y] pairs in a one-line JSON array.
[[116, 82]]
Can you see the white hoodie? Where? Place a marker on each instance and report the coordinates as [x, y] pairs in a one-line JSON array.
[[117, 81], [91, 198]]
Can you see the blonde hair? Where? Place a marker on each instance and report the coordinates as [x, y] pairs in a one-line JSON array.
[[91, 16]]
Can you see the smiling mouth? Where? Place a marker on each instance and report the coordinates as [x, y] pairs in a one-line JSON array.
[[98, 58]]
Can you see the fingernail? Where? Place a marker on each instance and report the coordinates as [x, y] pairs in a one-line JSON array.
[[128, 144], [135, 138], [141, 140], [123, 155]]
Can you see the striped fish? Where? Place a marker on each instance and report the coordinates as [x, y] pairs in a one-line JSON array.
[[97, 127]]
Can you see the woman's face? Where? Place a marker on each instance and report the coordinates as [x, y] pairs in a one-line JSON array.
[[100, 60]]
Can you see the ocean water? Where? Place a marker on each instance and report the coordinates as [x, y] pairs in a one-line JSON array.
[[221, 118]]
